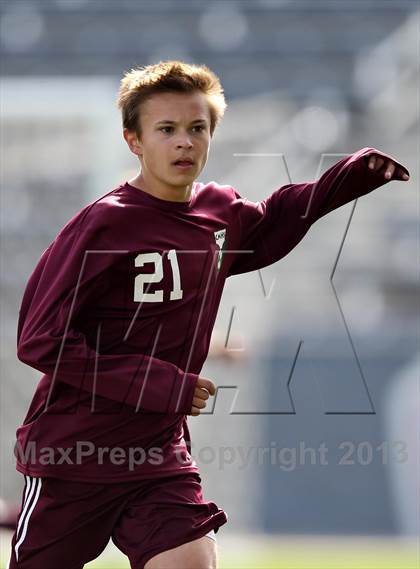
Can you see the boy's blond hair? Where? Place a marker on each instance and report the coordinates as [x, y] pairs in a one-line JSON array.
[[139, 84]]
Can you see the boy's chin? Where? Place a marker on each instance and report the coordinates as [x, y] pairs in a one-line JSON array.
[[181, 182], [184, 178]]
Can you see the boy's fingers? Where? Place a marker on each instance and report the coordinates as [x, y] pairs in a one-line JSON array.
[[201, 393], [203, 389], [379, 162], [390, 169], [199, 403], [211, 388], [206, 384], [401, 174]]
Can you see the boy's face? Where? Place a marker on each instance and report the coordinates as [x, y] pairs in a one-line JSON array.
[[174, 139]]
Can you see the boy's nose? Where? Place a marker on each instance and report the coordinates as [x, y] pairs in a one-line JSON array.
[[184, 143]]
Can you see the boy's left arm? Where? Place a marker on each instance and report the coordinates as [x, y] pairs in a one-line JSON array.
[[270, 229]]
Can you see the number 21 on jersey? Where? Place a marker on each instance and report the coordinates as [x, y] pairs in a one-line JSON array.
[[155, 277]]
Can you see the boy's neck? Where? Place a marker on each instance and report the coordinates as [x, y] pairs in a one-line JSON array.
[[161, 191]]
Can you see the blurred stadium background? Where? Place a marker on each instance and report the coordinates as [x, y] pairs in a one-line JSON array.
[[323, 346]]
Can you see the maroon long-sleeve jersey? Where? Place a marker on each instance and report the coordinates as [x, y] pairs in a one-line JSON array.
[[119, 311]]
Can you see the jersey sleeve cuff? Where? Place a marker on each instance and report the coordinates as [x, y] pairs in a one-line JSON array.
[[181, 401]]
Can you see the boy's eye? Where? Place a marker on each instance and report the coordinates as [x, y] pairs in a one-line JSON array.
[[169, 129]]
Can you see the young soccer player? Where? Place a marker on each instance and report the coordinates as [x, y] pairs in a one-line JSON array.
[[117, 316]]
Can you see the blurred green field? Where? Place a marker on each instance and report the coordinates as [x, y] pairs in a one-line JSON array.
[[284, 552]]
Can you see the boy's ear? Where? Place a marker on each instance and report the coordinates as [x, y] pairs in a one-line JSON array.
[[133, 141]]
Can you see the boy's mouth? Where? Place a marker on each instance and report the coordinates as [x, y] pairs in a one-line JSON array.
[[184, 163]]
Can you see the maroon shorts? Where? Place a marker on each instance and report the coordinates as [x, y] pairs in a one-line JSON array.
[[67, 524]]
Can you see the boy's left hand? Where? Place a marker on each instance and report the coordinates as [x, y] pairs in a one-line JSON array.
[[387, 166]]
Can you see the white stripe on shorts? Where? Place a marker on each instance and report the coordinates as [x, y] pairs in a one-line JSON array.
[[211, 535], [29, 490], [36, 482]]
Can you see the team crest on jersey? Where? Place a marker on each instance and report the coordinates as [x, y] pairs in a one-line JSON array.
[[220, 237]]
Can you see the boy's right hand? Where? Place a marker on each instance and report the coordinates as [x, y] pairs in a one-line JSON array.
[[203, 389]]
